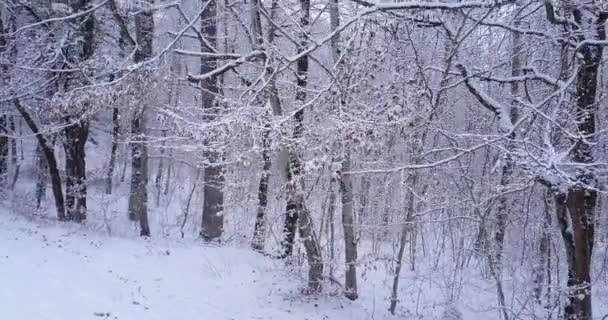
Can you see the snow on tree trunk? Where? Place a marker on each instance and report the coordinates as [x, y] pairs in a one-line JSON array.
[[311, 245], [212, 225], [76, 136], [346, 184], [576, 207], [4, 149], [138, 196]]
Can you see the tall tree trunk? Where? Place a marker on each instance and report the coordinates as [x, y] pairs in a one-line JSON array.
[[42, 174], [350, 242], [4, 128], [296, 208], [4, 149], [76, 136], [114, 148], [311, 245], [403, 241], [212, 225], [126, 43], [51, 161], [158, 179], [575, 208], [138, 197], [540, 270], [346, 184], [517, 61], [259, 231], [14, 156], [76, 131], [294, 165], [270, 94]]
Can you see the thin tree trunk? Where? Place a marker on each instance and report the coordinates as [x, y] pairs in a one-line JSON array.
[[350, 243], [49, 154], [114, 148], [402, 243], [159, 172], [167, 180], [14, 157], [187, 208], [259, 231], [346, 184], [4, 128], [42, 171], [296, 208], [4, 149], [294, 167], [545, 240], [274, 102], [311, 245], [517, 61], [332, 232]]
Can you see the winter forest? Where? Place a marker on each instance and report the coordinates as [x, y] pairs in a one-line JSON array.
[[303, 159]]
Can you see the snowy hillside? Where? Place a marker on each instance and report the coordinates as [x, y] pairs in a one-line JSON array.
[[303, 159], [68, 273]]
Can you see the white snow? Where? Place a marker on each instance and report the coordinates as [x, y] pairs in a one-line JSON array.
[[64, 273]]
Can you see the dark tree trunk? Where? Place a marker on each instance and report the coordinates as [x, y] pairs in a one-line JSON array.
[[290, 223], [350, 242], [4, 148], [311, 245], [76, 136], [14, 156], [296, 210], [346, 184], [76, 131], [4, 128], [575, 209], [541, 269], [138, 197], [259, 233], [294, 167], [42, 174], [49, 154], [212, 225], [158, 179], [213, 216], [114, 148], [268, 95]]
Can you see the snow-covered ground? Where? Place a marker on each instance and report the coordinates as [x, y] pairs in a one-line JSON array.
[[65, 272]]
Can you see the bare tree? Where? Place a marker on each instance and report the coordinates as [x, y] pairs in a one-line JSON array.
[[213, 190], [138, 197], [346, 184]]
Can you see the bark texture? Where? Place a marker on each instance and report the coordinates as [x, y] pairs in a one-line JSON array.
[[138, 197], [212, 225]]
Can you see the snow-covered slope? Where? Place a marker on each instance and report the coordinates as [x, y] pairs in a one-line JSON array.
[[65, 272]]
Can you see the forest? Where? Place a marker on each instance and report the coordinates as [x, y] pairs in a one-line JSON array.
[[308, 159]]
